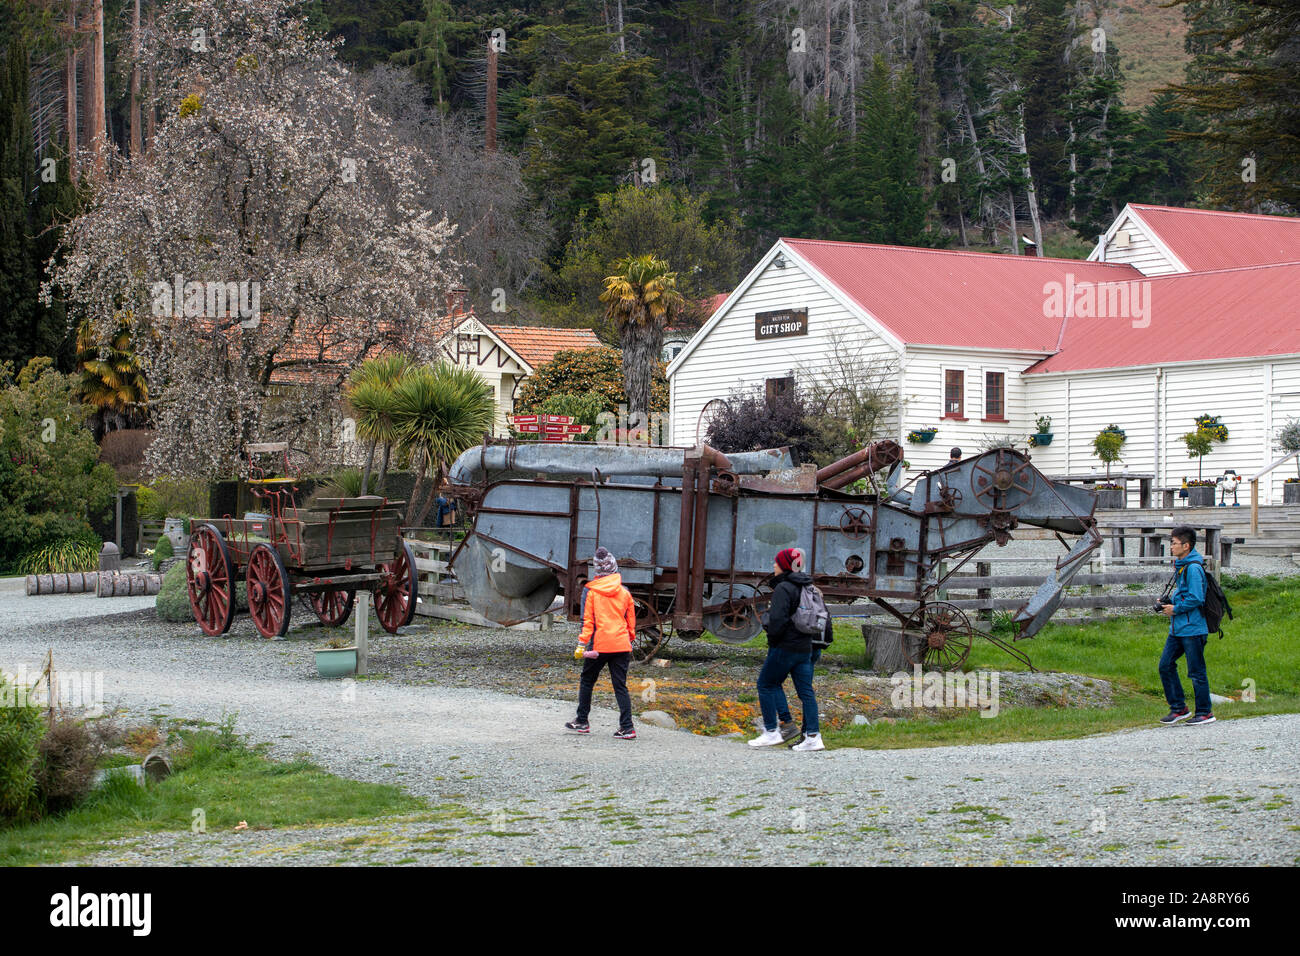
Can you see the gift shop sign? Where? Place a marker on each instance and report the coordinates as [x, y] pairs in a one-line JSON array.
[[777, 325]]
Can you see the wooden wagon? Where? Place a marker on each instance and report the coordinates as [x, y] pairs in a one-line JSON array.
[[326, 552]]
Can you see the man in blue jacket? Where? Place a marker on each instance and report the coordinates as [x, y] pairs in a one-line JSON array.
[[1188, 632]]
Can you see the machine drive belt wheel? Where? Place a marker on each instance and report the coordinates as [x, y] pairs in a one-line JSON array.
[[945, 637], [269, 592], [210, 580]]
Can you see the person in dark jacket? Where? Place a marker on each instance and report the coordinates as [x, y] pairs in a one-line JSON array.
[[789, 654], [1188, 632]]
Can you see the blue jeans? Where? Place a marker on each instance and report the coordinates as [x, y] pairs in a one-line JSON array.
[[783, 705], [1194, 648], [779, 665]]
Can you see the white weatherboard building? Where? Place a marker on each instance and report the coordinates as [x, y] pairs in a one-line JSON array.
[[1176, 314]]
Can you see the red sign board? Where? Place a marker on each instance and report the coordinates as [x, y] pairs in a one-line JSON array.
[[547, 427]]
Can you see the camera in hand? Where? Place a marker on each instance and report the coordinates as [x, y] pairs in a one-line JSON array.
[[1158, 606]]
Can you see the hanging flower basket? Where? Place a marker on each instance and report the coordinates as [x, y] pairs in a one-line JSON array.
[[1040, 439], [922, 436]]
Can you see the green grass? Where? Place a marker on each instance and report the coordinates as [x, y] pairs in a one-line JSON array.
[[217, 774], [1260, 646]]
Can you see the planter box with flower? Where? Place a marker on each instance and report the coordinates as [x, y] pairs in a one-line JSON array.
[[1106, 446], [1200, 493], [336, 658], [923, 435], [1043, 436]]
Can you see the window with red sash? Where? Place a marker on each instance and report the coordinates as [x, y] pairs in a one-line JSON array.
[[954, 393], [995, 405]]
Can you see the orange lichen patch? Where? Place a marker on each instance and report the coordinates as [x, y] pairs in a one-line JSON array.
[[141, 740]]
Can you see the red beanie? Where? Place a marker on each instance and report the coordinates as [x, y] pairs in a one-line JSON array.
[[787, 557]]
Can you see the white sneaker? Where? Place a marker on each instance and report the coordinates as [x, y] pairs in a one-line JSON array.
[[768, 738], [810, 742]]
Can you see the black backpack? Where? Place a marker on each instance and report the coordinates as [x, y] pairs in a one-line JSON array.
[[1216, 602]]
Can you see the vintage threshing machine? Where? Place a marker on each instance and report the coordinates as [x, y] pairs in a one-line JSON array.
[[326, 552], [695, 531]]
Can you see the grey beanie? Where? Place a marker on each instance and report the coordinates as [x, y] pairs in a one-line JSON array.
[[605, 563]]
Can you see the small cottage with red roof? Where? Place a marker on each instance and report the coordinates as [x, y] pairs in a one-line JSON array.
[[1177, 313], [505, 355]]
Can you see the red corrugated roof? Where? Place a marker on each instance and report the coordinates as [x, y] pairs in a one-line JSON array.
[[537, 346], [1232, 313], [947, 297], [1206, 240]]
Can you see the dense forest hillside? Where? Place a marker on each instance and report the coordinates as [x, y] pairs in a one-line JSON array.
[[702, 129]]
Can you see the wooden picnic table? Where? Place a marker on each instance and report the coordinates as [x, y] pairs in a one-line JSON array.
[[1153, 534], [1144, 483]]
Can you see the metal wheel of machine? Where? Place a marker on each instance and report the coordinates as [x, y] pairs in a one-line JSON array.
[[269, 592], [210, 579], [396, 589], [651, 632], [738, 620], [946, 636], [332, 606], [1002, 479]]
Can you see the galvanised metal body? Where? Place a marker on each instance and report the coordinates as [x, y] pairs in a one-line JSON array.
[[695, 533]]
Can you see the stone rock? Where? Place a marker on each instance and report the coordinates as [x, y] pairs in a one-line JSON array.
[[860, 721], [134, 771], [1217, 699], [659, 718]]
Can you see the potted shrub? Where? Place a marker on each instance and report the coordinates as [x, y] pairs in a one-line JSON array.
[[337, 658], [923, 435], [1288, 439], [1199, 444], [1044, 434], [1107, 446]]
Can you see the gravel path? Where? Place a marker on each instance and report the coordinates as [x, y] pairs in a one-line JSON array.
[[510, 786]]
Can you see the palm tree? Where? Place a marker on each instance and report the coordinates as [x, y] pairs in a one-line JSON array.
[[640, 301], [370, 394], [439, 411], [113, 384]]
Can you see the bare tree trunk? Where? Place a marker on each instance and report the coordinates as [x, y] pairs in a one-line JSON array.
[[622, 41], [95, 108], [491, 139], [370, 463], [642, 344], [382, 481], [70, 88], [1015, 228], [1030, 192], [826, 54], [137, 135]]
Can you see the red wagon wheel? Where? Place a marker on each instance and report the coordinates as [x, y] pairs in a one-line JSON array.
[[268, 592], [396, 589], [210, 575], [332, 606]]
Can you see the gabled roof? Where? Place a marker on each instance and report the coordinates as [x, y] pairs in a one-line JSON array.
[[953, 298], [1232, 313], [1206, 240], [537, 346]]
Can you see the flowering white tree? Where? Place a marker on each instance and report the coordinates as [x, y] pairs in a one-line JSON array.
[[270, 171]]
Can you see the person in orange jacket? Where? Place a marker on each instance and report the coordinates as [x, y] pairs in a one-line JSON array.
[[608, 628]]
